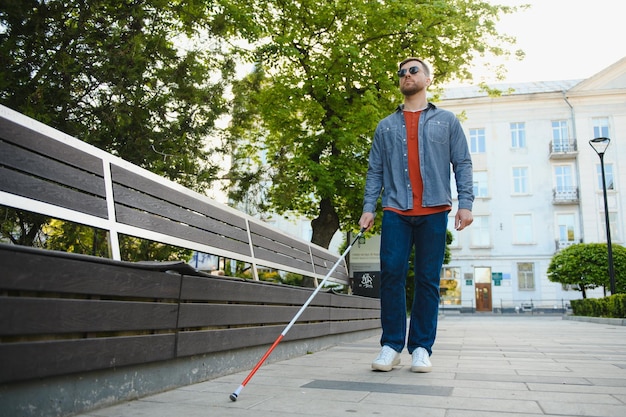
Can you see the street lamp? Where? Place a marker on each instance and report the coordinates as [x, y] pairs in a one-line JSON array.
[[599, 145]]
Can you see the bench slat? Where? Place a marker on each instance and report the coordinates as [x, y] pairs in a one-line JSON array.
[[25, 271], [168, 227], [240, 291], [206, 315], [264, 233], [42, 144], [132, 180], [51, 170], [22, 361], [18, 183], [143, 202], [29, 316], [210, 341]]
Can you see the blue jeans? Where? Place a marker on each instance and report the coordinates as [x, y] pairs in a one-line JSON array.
[[399, 235]]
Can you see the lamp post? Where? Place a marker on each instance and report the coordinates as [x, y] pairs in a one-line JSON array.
[[599, 145]]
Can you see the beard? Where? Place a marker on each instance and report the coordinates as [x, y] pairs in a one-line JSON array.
[[410, 89]]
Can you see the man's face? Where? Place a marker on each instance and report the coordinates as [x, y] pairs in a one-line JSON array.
[[412, 82]]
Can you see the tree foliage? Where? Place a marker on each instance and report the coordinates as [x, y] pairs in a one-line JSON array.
[[76, 238], [324, 75], [585, 266], [147, 79], [20, 227], [123, 75]]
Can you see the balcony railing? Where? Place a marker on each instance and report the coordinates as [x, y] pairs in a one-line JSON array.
[[564, 244], [562, 150], [565, 195]]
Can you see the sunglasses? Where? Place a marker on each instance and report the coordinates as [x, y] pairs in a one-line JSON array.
[[413, 70]]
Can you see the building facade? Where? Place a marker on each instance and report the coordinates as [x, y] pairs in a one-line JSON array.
[[538, 187]]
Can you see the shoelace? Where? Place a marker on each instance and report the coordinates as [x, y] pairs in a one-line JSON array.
[[421, 354], [387, 354]]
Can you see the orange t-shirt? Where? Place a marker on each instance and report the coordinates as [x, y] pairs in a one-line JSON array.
[[411, 120]]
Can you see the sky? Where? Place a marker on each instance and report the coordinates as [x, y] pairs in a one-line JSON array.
[[562, 39]]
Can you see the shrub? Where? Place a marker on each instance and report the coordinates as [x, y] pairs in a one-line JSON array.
[[612, 306]]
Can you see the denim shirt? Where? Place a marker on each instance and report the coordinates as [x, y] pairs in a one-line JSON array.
[[442, 143]]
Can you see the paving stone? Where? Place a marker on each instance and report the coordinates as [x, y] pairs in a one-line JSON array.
[[483, 366]]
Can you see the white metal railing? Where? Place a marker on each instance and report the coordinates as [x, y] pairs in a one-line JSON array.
[[15, 124]]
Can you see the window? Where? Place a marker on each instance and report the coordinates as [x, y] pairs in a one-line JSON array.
[[565, 188], [518, 135], [608, 176], [480, 184], [523, 228], [600, 127], [477, 140], [563, 177], [520, 180], [560, 136], [482, 275], [525, 276], [565, 224], [613, 220], [480, 235], [450, 286]]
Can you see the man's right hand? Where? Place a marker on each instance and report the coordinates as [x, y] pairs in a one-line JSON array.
[[367, 221]]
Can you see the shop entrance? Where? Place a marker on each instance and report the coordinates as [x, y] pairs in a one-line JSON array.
[[483, 289], [483, 297]]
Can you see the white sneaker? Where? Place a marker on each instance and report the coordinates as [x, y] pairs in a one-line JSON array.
[[386, 360], [421, 361]]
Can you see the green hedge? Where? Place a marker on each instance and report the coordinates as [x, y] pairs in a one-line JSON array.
[[612, 306]]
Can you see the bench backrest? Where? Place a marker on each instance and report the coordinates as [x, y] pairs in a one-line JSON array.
[[45, 171]]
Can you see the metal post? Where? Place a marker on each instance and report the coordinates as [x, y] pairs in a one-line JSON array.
[[600, 145], [608, 229]]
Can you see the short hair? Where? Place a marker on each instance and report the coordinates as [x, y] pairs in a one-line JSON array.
[[425, 66]]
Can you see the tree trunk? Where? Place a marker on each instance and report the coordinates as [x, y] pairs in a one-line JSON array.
[[583, 290], [324, 228], [325, 225]]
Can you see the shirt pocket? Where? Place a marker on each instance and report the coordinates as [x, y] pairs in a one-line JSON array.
[[438, 131]]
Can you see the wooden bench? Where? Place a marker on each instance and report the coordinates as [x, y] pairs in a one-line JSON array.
[[108, 330]]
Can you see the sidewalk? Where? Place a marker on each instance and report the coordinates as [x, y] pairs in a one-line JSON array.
[[483, 366]]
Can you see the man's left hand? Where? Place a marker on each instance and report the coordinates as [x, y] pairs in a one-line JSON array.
[[463, 219]]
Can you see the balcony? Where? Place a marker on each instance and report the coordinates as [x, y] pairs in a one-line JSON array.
[[563, 150], [564, 244], [565, 195]]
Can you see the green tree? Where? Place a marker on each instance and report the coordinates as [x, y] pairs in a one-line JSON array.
[[134, 249], [585, 266], [76, 238], [122, 75], [324, 75], [21, 227]]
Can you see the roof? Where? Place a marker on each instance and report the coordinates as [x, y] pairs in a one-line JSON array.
[[508, 89]]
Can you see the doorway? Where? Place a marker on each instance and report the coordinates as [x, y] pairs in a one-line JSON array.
[[483, 289], [483, 297]]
